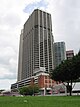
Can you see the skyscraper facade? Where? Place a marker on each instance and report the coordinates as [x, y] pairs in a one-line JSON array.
[[36, 45], [59, 52], [20, 57]]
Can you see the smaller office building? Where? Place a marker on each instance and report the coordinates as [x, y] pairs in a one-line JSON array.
[[69, 54], [59, 52]]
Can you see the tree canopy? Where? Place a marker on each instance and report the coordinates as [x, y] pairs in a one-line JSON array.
[[30, 90]]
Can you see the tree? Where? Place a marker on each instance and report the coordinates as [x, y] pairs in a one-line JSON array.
[[24, 91], [1, 90], [30, 90], [67, 71], [36, 88]]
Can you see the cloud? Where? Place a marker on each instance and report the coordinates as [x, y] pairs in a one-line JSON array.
[[11, 21], [5, 73], [6, 83], [8, 63], [66, 22]]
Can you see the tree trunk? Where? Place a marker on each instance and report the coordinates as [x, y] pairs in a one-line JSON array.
[[67, 87], [70, 88]]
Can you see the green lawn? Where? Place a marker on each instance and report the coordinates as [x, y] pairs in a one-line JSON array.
[[40, 101]]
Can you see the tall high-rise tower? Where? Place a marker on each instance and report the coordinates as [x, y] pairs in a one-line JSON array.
[[36, 45]]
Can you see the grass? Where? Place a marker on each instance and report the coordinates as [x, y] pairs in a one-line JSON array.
[[40, 101]]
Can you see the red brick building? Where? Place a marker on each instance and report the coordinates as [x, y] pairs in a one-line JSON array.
[[41, 79]]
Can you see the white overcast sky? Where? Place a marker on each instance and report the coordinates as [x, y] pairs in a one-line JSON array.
[[14, 13]]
